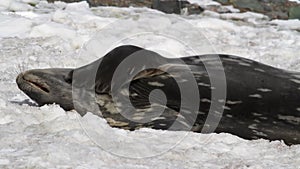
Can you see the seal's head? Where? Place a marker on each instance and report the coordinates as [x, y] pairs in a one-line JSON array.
[[47, 86]]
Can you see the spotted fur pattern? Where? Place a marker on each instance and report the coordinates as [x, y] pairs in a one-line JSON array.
[[262, 101]]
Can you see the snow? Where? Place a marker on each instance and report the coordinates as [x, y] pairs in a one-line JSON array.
[[295, 1], [290, 24], [20, 26], [204, 3], [51, 35], [15, 5]]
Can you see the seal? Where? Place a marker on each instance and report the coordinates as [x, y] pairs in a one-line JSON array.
[[261, 102]]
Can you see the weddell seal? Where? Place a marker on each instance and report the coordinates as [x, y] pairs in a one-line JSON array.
[[261, 101]]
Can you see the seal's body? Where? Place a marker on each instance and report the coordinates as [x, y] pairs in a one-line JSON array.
[[261, 101]]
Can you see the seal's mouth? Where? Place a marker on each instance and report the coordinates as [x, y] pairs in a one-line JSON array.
[[34, 83], [38, 85]]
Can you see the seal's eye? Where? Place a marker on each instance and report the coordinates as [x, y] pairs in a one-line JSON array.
[[69, 77]]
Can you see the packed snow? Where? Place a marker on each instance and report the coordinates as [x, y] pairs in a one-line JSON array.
[[298, 1], [37, 34]]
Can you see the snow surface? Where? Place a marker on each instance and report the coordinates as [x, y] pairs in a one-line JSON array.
[[52, 35], [298, 1]]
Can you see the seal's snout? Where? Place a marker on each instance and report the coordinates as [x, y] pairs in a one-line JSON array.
[[47, 86], [19, 79], [35, 82]]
